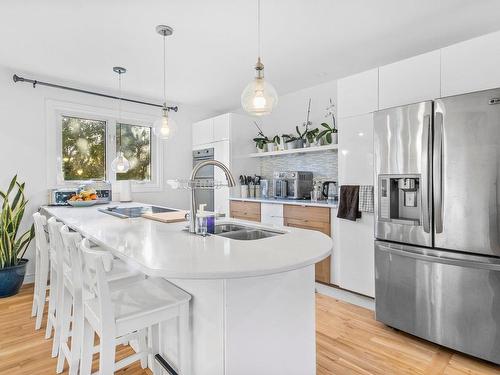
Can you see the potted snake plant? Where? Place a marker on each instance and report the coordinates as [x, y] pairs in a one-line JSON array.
[[13, 244]]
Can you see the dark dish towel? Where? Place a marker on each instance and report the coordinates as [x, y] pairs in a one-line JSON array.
[[349, 203]]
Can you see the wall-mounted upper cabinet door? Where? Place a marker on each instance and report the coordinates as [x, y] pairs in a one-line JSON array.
[[410, 81], [222, 127], [472, 65], [358, 94], [203, 132], [355, 155]]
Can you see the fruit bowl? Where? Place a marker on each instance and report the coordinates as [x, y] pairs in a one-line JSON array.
[[82, 203]]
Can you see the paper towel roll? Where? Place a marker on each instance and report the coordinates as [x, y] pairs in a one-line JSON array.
[[125, 191]]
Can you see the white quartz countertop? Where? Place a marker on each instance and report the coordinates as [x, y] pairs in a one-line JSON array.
[[297, 202], [165, 250]]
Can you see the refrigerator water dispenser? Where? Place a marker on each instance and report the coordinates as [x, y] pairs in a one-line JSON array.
[[399, 199]]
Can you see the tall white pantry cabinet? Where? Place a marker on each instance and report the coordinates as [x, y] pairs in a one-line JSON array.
[[231, 136]]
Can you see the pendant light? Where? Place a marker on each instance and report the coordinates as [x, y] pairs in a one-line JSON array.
[[120, 164], [167, 125], [259, 97]]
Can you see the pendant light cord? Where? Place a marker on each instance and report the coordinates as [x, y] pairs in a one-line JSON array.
[[259, 49], [120, 111], [164, 69]]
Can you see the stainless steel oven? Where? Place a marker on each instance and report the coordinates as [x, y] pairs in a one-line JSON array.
[[205, 175]]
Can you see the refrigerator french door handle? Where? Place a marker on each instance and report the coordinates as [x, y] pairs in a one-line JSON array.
[[426, 169], [441, 260], [438, 171]]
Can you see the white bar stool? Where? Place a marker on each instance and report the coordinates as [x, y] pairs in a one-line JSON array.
[[42, 264], [57, 271], [71, 304], [114, 314]]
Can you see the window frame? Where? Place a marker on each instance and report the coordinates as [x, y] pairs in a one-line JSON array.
[[55, 110]]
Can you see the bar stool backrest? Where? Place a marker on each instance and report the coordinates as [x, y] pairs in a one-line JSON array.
[[95, 265], [56, 244], [41, 242]]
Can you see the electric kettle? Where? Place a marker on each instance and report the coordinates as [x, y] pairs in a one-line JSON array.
[[330, 190]]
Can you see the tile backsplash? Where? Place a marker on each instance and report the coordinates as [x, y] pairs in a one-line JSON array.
[[322, 164]]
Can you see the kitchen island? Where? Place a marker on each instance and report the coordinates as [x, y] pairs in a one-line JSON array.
[[253, 301]]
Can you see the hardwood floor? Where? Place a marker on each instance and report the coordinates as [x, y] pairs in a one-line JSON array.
[[349, 341]]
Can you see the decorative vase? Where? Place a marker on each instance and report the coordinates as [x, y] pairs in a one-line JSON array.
[[301, 143], [271, 147], [291, 145], [263, 149], [335, 138], [11, 278]]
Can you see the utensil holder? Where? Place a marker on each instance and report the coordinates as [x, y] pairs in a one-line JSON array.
[[244, 191]]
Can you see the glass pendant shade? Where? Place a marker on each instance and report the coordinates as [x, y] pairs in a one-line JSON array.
[[166, 126], [259, 97], [120, 164]]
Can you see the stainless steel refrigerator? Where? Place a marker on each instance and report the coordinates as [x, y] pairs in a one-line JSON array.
[[437, 221]]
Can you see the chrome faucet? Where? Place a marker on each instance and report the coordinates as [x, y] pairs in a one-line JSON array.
[[230, 183]]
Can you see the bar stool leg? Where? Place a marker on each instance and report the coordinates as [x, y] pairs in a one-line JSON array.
[[143, 347], [87, 349], [52, 303], [155, 348], [107, 354], [184, 340], [65, 325]]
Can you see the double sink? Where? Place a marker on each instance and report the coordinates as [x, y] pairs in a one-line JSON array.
[[243, 232]]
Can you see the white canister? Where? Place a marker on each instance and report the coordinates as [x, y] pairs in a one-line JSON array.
[[125, 191]]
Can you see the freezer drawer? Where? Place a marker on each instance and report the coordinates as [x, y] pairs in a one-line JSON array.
[[445, 297]]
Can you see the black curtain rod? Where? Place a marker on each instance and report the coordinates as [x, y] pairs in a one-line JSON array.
[[16, 78]]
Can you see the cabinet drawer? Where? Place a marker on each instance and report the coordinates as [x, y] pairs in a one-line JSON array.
[[245, 210], [305, 223], [313, 214]]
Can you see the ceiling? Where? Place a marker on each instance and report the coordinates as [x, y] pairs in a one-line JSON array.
[[213, 49]]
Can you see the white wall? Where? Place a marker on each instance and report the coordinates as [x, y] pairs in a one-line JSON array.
[[23, 147]]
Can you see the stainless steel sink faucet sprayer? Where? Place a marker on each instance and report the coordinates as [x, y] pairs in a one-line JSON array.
[[230, 183]]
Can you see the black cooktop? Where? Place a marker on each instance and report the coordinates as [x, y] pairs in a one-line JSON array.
[[129, 212]]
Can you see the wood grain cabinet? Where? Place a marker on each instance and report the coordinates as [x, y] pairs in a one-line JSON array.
[[245, 210], [314, 218]]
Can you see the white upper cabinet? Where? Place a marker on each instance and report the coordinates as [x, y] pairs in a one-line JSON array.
[[472, 65], [356, 150], [203, 132], [358, 94], [410, 81], [222, 127]]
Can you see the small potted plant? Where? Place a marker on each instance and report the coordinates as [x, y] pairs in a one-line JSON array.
[[329, 133], [311, 137], [290, 141], [274, 143], [261, 141], [301, 139], [12, 244]]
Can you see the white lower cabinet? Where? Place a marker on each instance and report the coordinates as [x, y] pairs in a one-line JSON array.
[[271, 213], [356, 254]]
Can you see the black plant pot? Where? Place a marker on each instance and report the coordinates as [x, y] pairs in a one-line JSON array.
[[11, 278]]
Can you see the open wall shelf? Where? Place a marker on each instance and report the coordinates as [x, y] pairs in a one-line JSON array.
[[304, 150]]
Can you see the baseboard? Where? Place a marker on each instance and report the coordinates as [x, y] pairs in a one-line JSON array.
[[29, 279], [346, 296]]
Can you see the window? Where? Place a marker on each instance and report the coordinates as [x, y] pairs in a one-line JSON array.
[[136, 146], [87, 152], [83, 149]]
